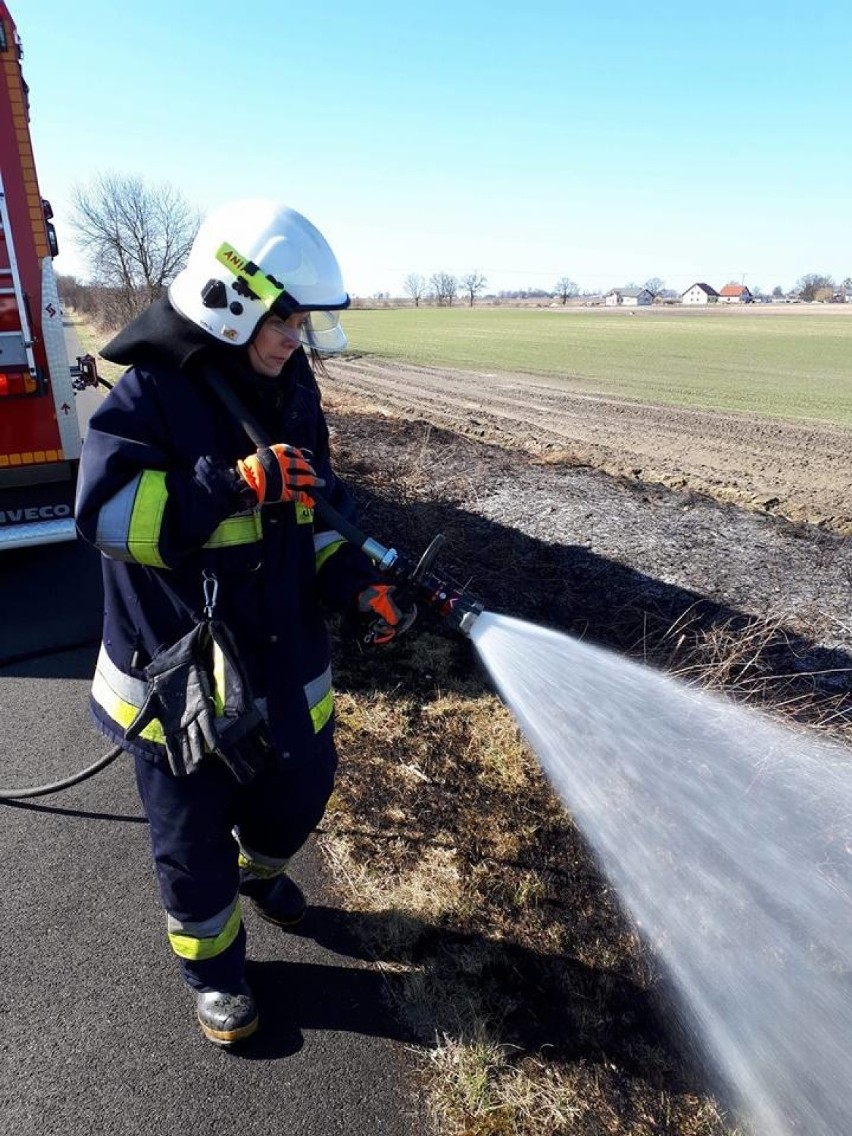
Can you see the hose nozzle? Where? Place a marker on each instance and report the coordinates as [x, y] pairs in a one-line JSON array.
[[453, 604]]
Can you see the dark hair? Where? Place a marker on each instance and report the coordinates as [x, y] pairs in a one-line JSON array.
[[317, 363]]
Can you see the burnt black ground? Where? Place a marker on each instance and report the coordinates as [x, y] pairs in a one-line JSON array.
[[618, 562]]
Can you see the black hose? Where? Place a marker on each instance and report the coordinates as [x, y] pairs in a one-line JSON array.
[[65, 783], [259, 436]]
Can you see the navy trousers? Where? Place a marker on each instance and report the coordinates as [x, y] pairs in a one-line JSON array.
[[195, 853]]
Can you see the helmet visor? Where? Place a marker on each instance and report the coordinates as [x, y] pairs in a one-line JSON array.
[[322, 332]]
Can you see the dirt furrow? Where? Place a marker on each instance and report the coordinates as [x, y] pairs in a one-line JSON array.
[[798, 469]]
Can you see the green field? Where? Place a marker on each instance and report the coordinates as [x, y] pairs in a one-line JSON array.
[[788, 363]]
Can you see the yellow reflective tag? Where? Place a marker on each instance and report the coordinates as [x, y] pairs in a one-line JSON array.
[[264, 288]]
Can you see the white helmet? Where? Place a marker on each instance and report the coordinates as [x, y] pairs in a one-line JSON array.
[[251, 258]]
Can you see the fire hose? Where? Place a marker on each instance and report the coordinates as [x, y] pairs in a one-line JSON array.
[[445, 596]]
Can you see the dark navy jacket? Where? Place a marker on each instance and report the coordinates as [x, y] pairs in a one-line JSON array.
[[159, 496]]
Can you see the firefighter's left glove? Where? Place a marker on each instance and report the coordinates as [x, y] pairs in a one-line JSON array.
[[180, 696], [386, 612], [279, 473]]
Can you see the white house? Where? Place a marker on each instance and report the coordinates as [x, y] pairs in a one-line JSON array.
[[735, 294], [628, 298], [699, 294]]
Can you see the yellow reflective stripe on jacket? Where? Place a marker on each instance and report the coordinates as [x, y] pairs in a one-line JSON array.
[[320, 698], [325, 546], [146, 520], [244, 528], [322, 711], [121, 697], [304, 514], [194, 948], [129, 524], [219, 691]]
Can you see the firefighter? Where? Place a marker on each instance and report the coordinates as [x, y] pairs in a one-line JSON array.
[[214, 668]]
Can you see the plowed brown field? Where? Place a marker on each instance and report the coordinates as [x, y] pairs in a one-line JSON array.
[[798, 469]]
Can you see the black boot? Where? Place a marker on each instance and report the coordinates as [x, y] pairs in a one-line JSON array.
[[279, 900], [226, 1018]]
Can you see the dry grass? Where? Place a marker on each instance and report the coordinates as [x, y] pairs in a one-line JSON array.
[[750, 660], [513, 966]]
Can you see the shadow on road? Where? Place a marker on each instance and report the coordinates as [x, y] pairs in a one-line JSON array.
[[573, 1009]]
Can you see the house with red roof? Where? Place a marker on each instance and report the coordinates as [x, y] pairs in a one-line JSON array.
[[735, 294]]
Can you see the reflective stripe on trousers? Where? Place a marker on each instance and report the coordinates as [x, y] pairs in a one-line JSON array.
[[206, 938]]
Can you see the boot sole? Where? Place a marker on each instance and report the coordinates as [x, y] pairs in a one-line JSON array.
[[226, 1038]]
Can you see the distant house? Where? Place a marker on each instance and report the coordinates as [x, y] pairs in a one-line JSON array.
[[628, 298], [699, 294], [735, 294]]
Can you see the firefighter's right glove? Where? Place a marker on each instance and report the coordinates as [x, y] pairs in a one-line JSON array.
[[279, 473]]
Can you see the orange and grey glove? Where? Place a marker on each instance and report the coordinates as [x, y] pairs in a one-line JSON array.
[[383, 601], [279, 473]]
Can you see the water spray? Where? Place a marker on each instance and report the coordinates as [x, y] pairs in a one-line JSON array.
[[727, 837]]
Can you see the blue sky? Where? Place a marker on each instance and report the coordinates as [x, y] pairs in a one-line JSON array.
[[604, 142]]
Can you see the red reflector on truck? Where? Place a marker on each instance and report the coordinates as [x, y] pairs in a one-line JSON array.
[[12, 384]]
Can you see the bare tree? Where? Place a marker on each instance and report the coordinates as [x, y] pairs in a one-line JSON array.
[[655, 285], [136, 237], [815, 286], [565, 289], [472, 284], [414, 285], [444, 287]]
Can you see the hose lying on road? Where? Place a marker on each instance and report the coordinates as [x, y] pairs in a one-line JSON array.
[[65, 783], [82, 774]]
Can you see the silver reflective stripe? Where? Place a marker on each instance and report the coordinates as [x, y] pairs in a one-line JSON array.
[[318, 688], [114, 522], [323, 539], [203, 928], [128, 688], [122, 696]]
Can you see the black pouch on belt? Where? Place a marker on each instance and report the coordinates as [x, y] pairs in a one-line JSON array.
[[199, 691]]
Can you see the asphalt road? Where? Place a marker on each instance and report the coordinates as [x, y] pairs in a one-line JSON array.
[[97, 1032]]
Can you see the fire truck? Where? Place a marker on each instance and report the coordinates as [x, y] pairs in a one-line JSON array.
[[39, 429]]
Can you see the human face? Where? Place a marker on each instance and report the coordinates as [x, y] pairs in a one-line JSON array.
[[275, 342]]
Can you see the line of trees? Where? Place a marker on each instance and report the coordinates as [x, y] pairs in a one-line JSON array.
[[442, 288]]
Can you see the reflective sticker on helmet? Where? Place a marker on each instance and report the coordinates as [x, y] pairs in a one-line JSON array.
[[266, 289]]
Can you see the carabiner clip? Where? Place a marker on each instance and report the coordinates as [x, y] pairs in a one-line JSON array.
[[211, 591]]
